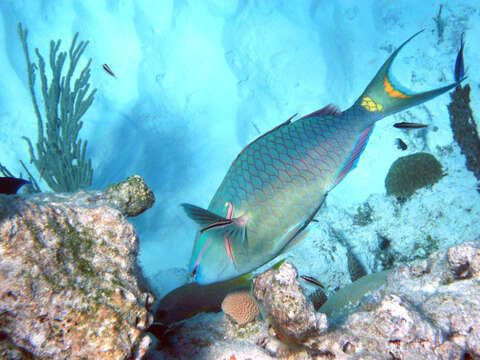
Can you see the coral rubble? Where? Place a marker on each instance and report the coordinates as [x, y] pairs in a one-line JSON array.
[[69, 280]]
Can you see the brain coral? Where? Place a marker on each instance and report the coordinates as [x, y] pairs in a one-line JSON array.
[[412, 172], [240, 306]]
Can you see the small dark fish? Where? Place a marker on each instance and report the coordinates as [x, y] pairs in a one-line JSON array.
[[10, 185], [409, 125], [108, 70], [312, 280], [459, 65], [400, 144]]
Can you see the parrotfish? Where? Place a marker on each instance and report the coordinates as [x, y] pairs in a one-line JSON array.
[[10, 185], [277, 184]]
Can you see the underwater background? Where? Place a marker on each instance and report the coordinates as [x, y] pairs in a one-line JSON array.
[[196, 81]]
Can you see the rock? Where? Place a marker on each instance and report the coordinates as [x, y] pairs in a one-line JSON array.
[[131, 197], [69, 279], [285, 306], [427, 310], [464, 127]]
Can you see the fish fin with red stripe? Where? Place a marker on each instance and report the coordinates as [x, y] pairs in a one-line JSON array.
[[235, 229]]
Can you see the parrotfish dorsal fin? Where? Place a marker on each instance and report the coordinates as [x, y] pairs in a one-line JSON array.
[[383, 96], [330, 109]]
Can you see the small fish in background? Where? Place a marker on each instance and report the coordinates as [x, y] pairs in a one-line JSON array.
[[459, 64], [10, 185], [108, 70], [312, 280], [409, 125], [400, 144]]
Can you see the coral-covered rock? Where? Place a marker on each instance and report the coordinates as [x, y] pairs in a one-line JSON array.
[[426, 310], [131, 197], [464, 128], [284, 304], [69, 284]]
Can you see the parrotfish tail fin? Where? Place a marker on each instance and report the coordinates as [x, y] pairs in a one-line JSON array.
[[232, 230], [383, 96]]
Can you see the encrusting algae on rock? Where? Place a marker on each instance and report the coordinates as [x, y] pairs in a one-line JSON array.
[[70, 285]]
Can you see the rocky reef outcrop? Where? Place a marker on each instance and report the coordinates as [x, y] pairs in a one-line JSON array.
[[426, 310], [464, 128], [70, 287], [290, 314]]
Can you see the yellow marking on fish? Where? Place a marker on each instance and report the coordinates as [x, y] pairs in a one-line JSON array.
[[226, 204], [370, 105], [391, 91]]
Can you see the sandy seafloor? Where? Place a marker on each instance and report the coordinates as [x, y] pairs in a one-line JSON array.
[[196, 79]]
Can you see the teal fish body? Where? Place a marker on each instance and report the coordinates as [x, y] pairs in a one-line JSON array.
[[277, 184]]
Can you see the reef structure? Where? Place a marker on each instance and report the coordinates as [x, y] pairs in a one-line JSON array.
[[70, 287], [464, 128], [426, 310]]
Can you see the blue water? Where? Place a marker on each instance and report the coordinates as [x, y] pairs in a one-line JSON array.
[[196, 81]]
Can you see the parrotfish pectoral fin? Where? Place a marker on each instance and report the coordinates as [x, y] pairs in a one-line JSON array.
[[232, 230], [201, 216], [383, 97]]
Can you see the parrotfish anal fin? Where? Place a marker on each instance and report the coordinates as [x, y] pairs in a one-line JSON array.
[[261, 136], [384, 97], [355, 154], [330, 109]]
